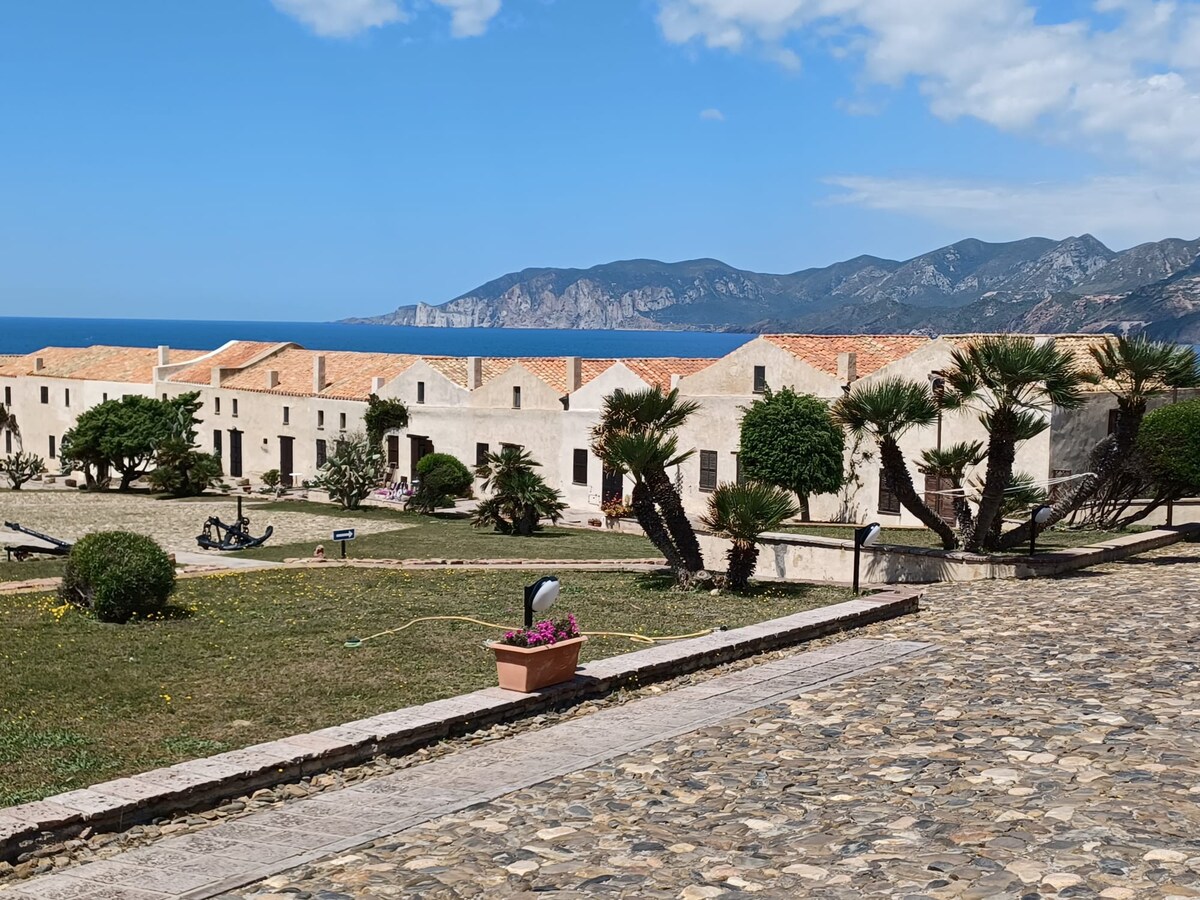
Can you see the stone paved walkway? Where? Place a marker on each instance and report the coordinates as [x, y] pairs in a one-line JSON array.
[[1048, 748]]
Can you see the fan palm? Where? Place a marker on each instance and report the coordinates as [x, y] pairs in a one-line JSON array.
[[1014, 382], [1132, 370], [520, 499], [643, 454], [886, 410], [654, 414], [951, 464], [742, 512]]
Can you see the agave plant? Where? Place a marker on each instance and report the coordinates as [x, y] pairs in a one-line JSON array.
[[885, 410], [1013, 382], [741, 513]]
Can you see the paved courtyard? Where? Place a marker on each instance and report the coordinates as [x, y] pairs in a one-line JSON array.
[[1047, 746], [70, 515]]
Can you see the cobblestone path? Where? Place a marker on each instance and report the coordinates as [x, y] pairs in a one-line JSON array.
[[1049, 748]]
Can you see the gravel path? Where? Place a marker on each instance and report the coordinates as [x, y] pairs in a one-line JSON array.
[[70, 515], [1049, 749]]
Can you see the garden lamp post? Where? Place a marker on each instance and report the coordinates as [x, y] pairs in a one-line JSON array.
[[540, 596], [863, 537], [1037, 517]]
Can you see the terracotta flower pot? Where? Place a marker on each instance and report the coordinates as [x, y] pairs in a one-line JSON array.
[[528, 669]]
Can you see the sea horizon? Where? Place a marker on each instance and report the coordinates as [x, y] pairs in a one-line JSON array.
[[25, 334]]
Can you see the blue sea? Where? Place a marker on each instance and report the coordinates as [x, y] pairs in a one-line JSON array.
[[24, 335]]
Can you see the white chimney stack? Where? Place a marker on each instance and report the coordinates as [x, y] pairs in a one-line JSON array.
[[474, 372], [847, 367], [38, 364], [318, 374], [272, 379], [675, 381], [574, 374], [164, 355], [214, 376], [377, 384]]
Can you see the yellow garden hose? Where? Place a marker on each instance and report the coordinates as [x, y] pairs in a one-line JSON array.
[[354, 643]]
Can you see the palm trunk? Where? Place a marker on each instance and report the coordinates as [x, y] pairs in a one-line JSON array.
[[680, 527], [892, 459], [805, 513], [742, 560], [1002, 453], [652, 524]]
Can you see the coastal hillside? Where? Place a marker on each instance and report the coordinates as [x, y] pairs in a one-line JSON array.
[[1034, 285]]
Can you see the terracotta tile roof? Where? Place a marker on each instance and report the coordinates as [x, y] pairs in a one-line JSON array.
[[658, 372], [348, 374], [132, 365], [234, 356], [873, 351], [1078, 345]]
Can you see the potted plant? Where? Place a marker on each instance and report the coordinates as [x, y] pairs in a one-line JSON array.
[[614, 510], [534, 658]]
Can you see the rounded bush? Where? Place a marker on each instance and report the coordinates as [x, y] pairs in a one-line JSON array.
[[118, 576], [442, 478], [1168, 446]]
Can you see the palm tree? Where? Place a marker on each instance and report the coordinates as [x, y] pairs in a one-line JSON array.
[[520, 496], [951, 464], [742, 512], [1132, 370], [1014, 382], [656, 415], [640, 454], [886, 410]]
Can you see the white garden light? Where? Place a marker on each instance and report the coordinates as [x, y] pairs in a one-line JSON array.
[[866, 536], [540, 596], [1039, 516]]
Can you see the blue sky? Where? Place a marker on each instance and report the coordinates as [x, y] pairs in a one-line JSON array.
[[312, 159]]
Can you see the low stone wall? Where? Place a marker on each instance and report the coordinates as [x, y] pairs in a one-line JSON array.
[[801, 557]]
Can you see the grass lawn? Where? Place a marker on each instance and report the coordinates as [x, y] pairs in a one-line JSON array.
[[36, 567], [260, 656], [428, 537], [1055, 539]]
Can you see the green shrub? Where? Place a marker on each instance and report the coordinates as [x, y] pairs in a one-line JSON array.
[[1168, 448], [118, 576], [442, 478], [271, 478]]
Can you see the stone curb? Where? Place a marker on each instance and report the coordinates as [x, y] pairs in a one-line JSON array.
[[125, 802]]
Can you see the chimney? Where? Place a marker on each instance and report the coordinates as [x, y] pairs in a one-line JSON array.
[[474, 372], [38, 364], [377, 384], [272, 379], [318, 374], [164, 355], [214, 377], [847, 367], [675, 381], [574, 374]]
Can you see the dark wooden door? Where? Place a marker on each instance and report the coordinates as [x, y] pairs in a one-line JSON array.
[[421, 447], [393, 451], [235, 453], [285, 461]]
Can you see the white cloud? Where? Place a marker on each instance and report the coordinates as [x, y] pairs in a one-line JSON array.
[[712, 115], [1126, 80], [1120, 210], [346, 18], [342, 18]]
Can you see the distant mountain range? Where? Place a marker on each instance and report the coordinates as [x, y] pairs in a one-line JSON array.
[[1031, 285]]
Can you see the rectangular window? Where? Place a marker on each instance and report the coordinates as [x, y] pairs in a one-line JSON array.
[[1112, 421], [516, 398], [708, 470], [45, 395], [420, 392], [322, 453], [320, 418], [105, 396], [760, 379], [341, 421], [579, 467], [216, 406], [8, 396], [889, 503], [287, 415], [481, 453], [7, 441], [217, 442], [66, 396], [234, 413], [52, 446]]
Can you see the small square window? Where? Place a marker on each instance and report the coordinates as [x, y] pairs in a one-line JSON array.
[[579, 467], [481, 454], [760, 379], [420, 392], [708, 470], [516, 398]]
